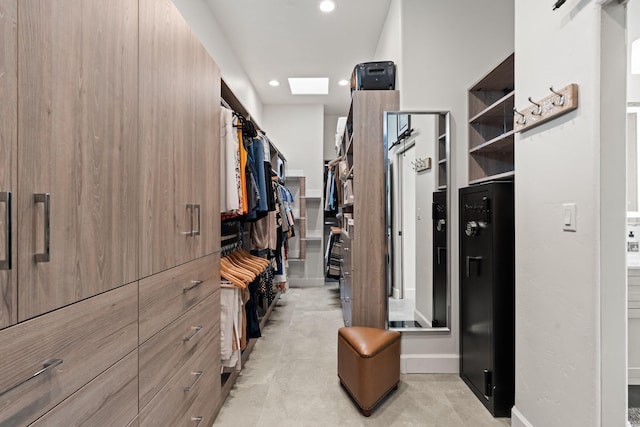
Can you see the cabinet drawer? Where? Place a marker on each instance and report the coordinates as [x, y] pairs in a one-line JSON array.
[[166, 296], [173, 347], [88, 337], [173, 403], [108, 400]]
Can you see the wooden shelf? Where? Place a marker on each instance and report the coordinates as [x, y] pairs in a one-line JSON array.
[[499, 143], [496, 112], [496, 177], [491, 133], [498, 78]]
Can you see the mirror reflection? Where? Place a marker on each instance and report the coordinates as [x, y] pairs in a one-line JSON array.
[[417, 147]]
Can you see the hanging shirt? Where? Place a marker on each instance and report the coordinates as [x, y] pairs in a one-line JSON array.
[[229, 164]]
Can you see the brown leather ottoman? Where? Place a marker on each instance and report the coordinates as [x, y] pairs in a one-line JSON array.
[[368, 364]]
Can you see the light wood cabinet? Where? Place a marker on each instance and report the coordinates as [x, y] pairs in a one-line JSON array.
[[109, 130], [179, 127], [168, 295], [70, 347], [491, 102], [8, 161], [108, 400], [77, 157], [172, 406], [364, 150], [176, 344]]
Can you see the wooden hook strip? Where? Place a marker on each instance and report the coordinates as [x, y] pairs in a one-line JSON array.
[[559, 102]]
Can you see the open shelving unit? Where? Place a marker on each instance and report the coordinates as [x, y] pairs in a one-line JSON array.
[[442, 152], [491, 134]]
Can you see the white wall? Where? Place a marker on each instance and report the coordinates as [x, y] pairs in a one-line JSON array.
[[330, 123], [633, 20], [205, 25], [439, 62], [390, 43], [570, 343], [297, 130], [426, 183]]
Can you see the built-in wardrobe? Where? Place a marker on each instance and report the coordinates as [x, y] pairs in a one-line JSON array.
[[110, 227]]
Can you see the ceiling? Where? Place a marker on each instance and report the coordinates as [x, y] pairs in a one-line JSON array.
[[277, 39]]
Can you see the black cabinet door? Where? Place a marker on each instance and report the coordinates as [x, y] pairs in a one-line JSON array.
[[487, 294], [440, 259], [476, 283]]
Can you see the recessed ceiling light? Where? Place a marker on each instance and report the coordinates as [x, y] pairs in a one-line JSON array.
[[309, 86], [343, 82], [327, 6], [274, 83]]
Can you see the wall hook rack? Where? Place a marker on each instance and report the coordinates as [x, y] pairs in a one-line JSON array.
[[560, 102], [524, 117], [420, 165]]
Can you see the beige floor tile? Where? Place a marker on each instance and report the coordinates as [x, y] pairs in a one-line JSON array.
[[291, 379]]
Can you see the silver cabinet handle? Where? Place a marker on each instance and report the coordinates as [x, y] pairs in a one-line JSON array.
[[198, 420], [196, 330], [190, 232], [46, 366], [196, 232], [194, 284], [5, 264], [198, 375], [46, 199]]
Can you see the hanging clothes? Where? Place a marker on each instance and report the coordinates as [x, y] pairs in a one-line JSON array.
[[243, 176], [229, 164]]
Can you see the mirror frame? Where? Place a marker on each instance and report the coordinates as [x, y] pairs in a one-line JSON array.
[[388, 225]]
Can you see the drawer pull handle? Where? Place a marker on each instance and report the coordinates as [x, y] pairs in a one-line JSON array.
[[196, 331], [47, 366], [46, 199], [196, 232], [194, 284], [198, 420], [5, 264], [190, 232], [198, 375]]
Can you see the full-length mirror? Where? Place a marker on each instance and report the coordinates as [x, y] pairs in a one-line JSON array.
[[417, 176]]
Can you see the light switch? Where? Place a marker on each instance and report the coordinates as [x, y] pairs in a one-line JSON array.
[[569, 217]]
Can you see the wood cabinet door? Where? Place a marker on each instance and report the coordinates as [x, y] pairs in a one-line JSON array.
[[77, 127], [179, 133], [206, 155], [8, 161], [168, 90]]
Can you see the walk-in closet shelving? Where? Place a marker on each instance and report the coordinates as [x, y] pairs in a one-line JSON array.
[[231, 241], [491, 102], [361, 208]]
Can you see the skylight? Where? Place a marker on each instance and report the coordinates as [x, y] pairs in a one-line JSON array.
[[309, 85]]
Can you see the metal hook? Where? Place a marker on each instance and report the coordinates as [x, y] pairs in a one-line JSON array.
[[524, 118], [539, 113], [560, 95]]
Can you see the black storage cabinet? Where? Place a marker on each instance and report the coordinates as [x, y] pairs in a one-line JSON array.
[[487, 294], [439, 259]]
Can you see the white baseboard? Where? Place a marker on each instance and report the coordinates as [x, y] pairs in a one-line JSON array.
[[429, 363], [518, 420]]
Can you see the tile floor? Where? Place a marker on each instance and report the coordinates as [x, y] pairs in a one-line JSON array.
[[291, 378]]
